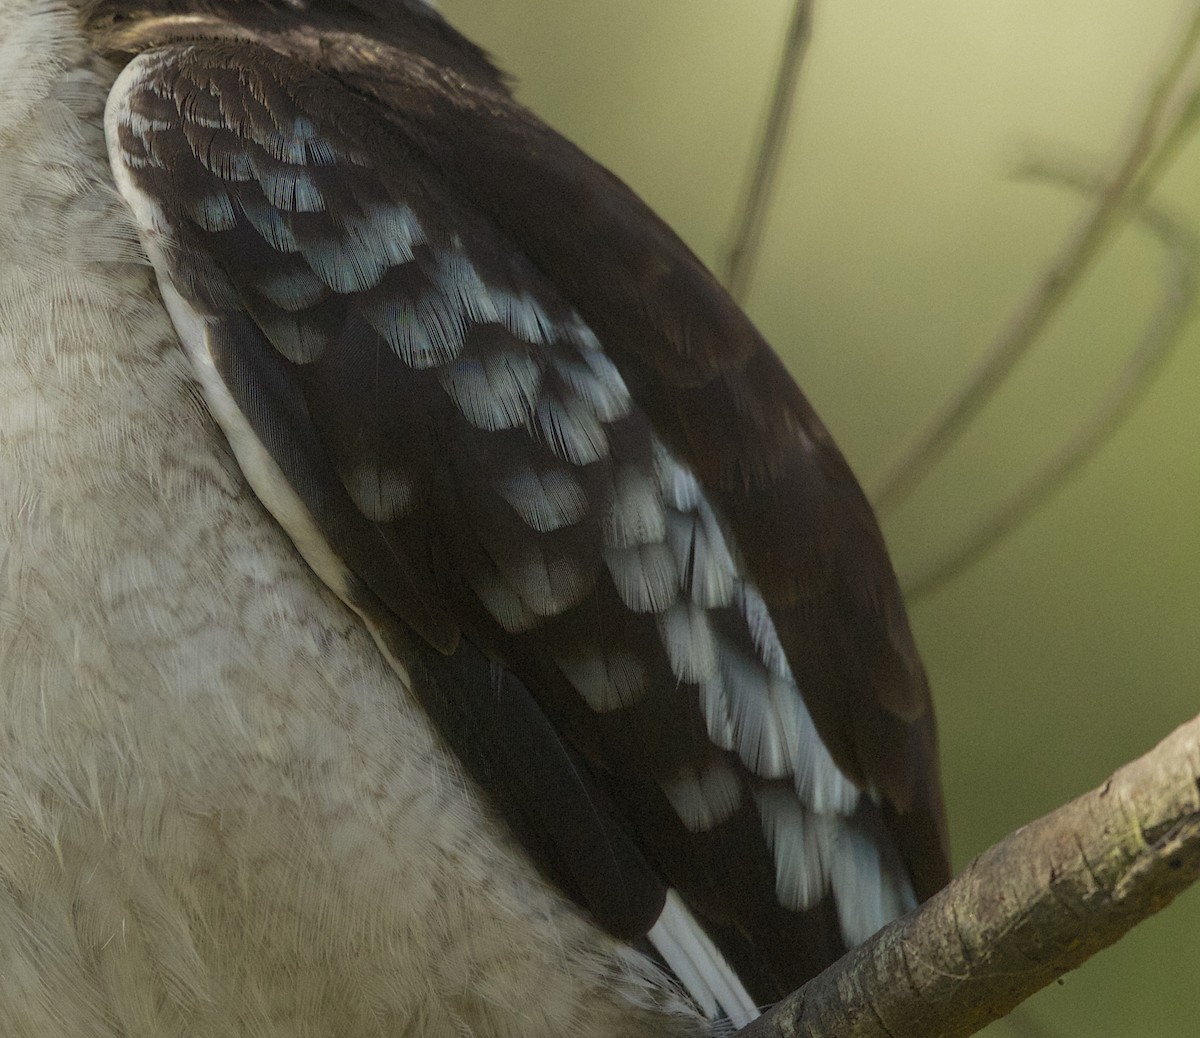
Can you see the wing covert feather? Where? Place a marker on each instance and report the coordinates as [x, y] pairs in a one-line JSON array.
[[653, 551]]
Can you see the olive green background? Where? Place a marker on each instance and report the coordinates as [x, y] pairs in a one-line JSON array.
[[897, 243]]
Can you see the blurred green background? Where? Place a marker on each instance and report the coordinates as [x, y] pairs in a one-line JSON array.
[[897, 243]]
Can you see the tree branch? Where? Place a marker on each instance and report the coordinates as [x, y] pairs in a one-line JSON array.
[[1034, 906], [752, 213], [1158, 131], [1164, 330]]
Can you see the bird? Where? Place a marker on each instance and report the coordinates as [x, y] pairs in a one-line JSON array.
[[428, 605]]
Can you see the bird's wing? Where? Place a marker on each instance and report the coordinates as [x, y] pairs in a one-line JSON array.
[[579, 502]]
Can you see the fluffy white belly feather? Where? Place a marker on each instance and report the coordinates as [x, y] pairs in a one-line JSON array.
[[220, 813]]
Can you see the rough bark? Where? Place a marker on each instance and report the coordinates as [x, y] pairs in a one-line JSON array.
[[1034, 906]]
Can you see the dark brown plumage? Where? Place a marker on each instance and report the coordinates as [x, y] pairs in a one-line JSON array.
[[417, 120]]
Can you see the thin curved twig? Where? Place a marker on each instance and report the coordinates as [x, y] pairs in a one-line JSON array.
[[1028, 321], [747, 236], [1162, 334]]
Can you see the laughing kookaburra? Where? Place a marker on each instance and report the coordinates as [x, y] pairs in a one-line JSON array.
[[427, 605]]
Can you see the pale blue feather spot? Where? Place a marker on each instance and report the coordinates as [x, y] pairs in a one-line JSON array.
[[368, 245], [200, 108], [346, 266], [819, 782], [321, 152], [570, 430], [546, 501], [869, 891], [549, 586], [143, 125], [495, 392], [234, 166], [687, 636], [522, 315], [635, 511], [214, 212], [290, 189], [703, 556], [802, 845], [393, 231], [765, 726], [579, 334], [457, 280], [679, 487], [284, 148], [303, 128], [762, 629], [596, 380], [424, 334], [704, 799], [715, 709], [645, 576], [503, 603], [270, 224]]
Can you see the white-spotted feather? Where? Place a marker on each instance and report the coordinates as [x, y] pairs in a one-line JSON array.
[[703, 556], [522, 315], [214, 212], [495, 392], [645, 576], [764, 724], [347, 264], [635, 513], [699, 964], [715, 708], [293, 335], [501, 600], [869, 891], [687, 636], [596, 379], [663, 543], [819, 782], [548, 585], [570, 429], [261, 471], [802, 844], [289, 189], [547, 501], [704, 799], [268, 222]]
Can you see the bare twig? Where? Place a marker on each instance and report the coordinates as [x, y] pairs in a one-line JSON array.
[[747, 237], [1153, 127], [1026, 911], [1163, 332]]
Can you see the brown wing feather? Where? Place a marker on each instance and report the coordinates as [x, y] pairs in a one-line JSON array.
[[702, 380], [722, 399]]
